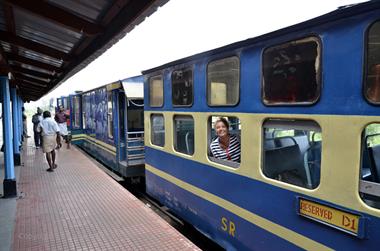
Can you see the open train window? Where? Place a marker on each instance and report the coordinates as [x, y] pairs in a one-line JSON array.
[[291, 73], [59, 102], [372, 82], [156, 91], [157, 134], [223, 77], [224, 140], [110, 114], [292, 151], [370, 166], [184, 134], [182, 87]]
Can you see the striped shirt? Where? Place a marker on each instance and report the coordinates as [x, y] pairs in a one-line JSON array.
[[231, 153]]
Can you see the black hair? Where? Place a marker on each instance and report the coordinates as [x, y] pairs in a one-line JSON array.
[[46, 114]]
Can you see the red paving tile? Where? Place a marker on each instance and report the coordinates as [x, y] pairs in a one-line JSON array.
[[79, 207]]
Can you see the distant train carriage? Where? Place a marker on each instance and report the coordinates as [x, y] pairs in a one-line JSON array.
[[108, 121], [303, 107]]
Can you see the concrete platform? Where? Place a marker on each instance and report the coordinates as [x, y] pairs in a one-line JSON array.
[[79, 207], [7, 210]]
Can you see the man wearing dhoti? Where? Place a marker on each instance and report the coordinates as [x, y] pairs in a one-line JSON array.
[[50, 138]]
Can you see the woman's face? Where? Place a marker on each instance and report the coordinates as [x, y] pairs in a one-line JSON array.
[[221, 129]]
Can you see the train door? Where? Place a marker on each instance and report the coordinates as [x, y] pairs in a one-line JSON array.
[[121, 128], [76, 114], [135, 132]]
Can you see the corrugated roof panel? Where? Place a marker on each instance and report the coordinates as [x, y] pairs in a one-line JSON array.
[[6, 46], [2, 19], [86, 9], [35, 77], [29, 67], [45, 32], [39, 35], [39, 57]]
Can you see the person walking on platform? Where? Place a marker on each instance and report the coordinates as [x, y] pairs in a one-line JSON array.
[[24, 124], [50, 138], [36, 119], [61, 118]]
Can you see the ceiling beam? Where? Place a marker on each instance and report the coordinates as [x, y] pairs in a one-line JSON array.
[[34, 46], [31, 72], [58, 16], [4, 66], [30, 80], [32, 62], [26, 86]]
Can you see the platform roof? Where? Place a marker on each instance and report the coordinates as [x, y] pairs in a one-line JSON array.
[[43, 43]]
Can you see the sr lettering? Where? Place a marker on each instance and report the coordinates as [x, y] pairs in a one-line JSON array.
[[228, 226]]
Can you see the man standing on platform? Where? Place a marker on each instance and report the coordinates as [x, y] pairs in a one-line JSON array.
[[24, 124], [36, 119], [61, 118], [50, 138]]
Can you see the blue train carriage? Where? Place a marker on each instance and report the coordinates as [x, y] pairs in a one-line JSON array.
[[107, 122], [304, 103]]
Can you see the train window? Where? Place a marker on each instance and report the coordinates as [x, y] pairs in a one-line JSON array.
[[370, 166], [223, 82], [156, 91], [182, 87], [372, 83], [224, 140], [109, 114], [157, 135], [292, 151], [65, 103], [291, 73], [184, 134], [135, 115]]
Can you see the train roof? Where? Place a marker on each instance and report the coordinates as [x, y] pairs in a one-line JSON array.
[[133, 87], [340, 13]]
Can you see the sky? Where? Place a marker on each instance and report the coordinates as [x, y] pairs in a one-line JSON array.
[[182, 28]]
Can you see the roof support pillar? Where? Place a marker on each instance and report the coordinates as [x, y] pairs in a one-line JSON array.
[[16, 143], [19, 120], [9, 184]]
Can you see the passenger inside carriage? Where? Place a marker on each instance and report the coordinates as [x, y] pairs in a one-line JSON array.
[[226, 146]]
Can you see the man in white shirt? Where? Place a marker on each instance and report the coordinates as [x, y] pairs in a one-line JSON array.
[[50, 137]]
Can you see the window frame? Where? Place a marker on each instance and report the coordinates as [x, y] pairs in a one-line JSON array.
[[174, 133], [368, 187], [365, 64], [185, 68], [77, 110], [288, 122], [110, 128], [163, 90], [208, 89], [225, 163], [319, 73], [151, 129]]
